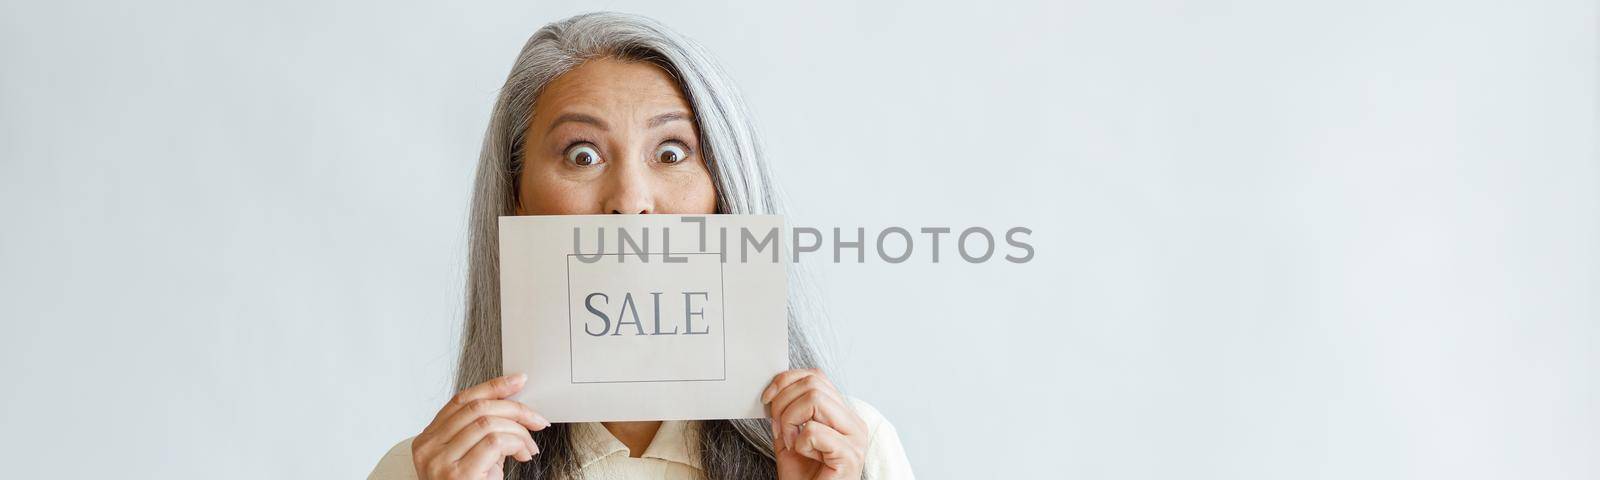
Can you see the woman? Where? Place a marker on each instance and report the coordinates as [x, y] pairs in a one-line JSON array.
[[613, 113]]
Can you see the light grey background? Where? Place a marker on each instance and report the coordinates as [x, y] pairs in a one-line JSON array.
[[1275, 239]]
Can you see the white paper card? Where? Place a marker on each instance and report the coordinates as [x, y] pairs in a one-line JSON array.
[[607, 335]]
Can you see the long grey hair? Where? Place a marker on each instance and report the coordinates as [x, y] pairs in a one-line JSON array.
[[728, 448]]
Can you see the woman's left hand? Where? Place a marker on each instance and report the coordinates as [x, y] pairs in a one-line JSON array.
[[815, 433]]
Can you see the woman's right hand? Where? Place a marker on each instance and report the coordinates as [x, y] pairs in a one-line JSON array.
[[473, 434]]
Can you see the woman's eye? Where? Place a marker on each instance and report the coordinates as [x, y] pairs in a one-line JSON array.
[[583, 155], [671, 152]]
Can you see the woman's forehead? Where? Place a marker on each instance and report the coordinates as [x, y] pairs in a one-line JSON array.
[[620, 90]]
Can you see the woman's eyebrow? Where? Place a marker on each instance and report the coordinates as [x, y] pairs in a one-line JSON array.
[[662, 119], [579, 118]]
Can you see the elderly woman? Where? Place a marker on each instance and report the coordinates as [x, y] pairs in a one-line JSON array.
[[613, 113]]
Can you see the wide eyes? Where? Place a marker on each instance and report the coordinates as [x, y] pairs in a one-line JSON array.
[[672, 152], [583, 154]]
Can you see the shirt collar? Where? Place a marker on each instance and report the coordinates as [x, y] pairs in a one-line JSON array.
[[674, 442]]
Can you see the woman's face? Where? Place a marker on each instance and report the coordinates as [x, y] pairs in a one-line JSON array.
[[613, 136]]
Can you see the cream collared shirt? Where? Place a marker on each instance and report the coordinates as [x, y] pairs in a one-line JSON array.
[[671, 454]]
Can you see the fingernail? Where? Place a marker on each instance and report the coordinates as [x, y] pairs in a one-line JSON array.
[[539, 419], [521, 377]]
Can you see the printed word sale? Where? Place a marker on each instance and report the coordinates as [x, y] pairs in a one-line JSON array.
[[599, 303]]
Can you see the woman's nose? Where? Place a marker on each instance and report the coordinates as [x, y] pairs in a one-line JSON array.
[[630, 191]]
